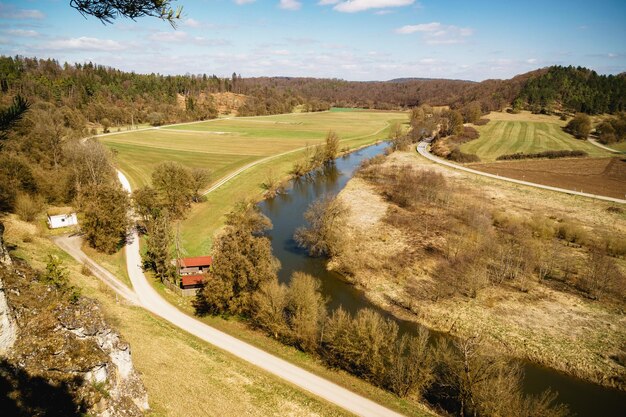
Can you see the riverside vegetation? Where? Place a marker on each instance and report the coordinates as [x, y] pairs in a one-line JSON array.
[[425, 243], [459, 376]]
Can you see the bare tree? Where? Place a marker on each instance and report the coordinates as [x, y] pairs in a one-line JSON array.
[[324, 235]]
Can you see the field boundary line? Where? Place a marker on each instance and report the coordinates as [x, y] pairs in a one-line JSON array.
[[422, 150]]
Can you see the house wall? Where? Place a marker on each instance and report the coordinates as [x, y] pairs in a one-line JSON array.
[[56, 222], [189, 271]]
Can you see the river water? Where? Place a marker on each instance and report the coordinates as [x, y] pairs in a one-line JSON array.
[[286, 213]]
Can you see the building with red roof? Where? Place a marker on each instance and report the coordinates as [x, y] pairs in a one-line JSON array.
[[193, 271]]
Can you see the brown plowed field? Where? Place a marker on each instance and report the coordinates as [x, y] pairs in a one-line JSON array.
[[602, 176]]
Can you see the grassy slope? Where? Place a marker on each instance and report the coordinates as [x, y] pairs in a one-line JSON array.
[[524, 133], [184, 376], [618, 146], [224, 145]]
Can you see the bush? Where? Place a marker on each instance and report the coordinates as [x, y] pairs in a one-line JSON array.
[[457, 156], [481, 122], [28, 207], [579, 126], [544, 154], [571, 232], [156, 119], [406, 187], [86, 271]]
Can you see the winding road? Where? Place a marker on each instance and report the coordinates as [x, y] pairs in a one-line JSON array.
[[147, 297], [422, 148]]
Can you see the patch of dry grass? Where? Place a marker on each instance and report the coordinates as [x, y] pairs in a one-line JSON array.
[[541, 323]]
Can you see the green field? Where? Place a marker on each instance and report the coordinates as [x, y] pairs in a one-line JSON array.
[[224, 145], [620, 146], [502, 137]]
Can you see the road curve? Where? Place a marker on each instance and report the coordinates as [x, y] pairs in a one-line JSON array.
[[72, 245], [152, 301], [422, 149], [599, 145]]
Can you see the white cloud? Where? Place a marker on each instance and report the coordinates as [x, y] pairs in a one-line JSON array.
[[353, 6], [422, 27], [22, 33], [383, 12], [435, 33], [199, 40], [531, 61], [327, 2], [242, 2], [290, 4], [9, 11], [84, 44], [175, 36], [192, 23], [282, 52]]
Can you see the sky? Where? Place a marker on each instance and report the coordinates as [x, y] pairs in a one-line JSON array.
[[357, 40]]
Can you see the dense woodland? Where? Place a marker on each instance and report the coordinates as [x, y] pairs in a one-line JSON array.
[[108, 97], [574, 89]]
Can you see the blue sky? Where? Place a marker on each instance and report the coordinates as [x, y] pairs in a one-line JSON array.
[[352, 40]]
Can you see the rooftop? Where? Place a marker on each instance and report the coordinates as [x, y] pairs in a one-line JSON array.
[[196, 261], [192, 279]]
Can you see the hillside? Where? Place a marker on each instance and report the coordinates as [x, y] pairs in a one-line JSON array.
[[59, 355], [574, 89]]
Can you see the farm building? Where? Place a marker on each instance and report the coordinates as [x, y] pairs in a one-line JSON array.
[[61, 218], [193, 271]]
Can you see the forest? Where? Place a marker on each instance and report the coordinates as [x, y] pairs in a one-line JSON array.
[[574, 89], [91, 94]]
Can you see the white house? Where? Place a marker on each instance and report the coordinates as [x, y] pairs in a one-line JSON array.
[[62, 220]]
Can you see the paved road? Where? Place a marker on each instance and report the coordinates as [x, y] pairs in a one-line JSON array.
[[152, 301], [72, 245], [422, 148], [599, 145]]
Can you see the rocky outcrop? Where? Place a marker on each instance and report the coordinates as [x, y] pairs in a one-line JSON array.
[[5, 259], [8, 330], [64, 347]]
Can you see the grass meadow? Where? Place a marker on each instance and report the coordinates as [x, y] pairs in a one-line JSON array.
[[508, 134], [224, 145]]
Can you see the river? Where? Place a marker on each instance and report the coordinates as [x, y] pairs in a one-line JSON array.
[[286, 213]]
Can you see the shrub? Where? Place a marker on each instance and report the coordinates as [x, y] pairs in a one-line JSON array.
[[481, 122], [156, 119], [579, 126], [86, 271], [457, 156], [28, 207], [571, 232], [544, 154]]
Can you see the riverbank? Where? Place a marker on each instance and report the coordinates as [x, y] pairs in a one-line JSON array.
[[540, 323]]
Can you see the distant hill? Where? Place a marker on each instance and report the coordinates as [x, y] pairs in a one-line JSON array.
[[573, 89], [96, 95], [409, 79]]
